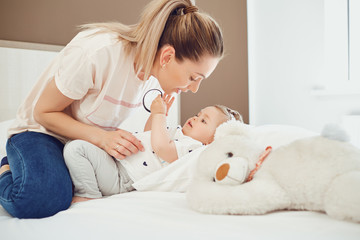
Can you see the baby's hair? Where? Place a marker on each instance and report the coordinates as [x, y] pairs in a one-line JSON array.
[[230, 113], [177, 23]]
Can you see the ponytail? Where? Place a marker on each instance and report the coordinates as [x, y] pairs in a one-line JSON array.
[[174, 22]]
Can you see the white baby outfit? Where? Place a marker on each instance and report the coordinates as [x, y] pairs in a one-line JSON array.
[[143, 163], [96, 174]]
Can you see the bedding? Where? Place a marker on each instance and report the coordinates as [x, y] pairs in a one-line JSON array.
[[177, 176], [165, 215], [158, 210]]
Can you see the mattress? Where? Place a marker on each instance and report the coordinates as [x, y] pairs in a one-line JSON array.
[[165, 215], [162, 213]]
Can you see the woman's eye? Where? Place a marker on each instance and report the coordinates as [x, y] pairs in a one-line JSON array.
[[192, 79], [203, 121]]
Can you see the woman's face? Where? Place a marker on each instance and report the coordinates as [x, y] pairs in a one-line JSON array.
[[177, 77]]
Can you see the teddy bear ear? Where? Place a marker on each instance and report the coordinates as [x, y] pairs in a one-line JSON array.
[[232, 127]]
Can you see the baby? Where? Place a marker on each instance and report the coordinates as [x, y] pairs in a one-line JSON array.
[[95, 173]]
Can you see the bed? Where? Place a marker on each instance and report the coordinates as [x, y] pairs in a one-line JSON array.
[[159, 210]]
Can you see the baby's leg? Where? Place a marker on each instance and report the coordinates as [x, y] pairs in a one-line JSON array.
[[93, 171]]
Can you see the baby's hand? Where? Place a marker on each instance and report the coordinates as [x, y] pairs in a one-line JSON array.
[[168, 99], [161, 105], [158, 106]]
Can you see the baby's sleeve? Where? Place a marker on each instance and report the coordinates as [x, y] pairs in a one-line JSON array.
[[185, 144], [74, 76]]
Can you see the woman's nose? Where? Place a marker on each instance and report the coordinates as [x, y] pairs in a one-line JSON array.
[[194, 87]]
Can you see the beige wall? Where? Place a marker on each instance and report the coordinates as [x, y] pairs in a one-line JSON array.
[[54, 22], [228, 85]]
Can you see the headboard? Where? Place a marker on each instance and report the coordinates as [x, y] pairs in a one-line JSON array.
[[20, 66]]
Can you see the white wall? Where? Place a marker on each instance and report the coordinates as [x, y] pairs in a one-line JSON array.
[[287, 65], [20, 69]]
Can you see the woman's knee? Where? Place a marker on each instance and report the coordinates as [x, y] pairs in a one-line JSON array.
[[41, 201], [42, 185]]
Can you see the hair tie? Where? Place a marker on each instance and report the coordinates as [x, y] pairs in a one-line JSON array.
[[190, 9], [231, 113], [232, 117]]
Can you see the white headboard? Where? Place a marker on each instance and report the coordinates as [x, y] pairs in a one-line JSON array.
[[20, 66]]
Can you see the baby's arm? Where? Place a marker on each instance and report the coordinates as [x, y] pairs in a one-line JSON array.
[[168, 103], [161, 143], [148, 124]]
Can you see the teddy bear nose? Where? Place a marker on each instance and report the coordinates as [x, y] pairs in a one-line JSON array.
[[222, 171]]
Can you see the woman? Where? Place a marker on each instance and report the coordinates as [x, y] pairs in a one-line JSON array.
[[93, 85]]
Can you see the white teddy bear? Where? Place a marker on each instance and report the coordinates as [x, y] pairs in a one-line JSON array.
[[235, 175]]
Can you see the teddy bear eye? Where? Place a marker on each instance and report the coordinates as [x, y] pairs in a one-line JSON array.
[[230, 154]]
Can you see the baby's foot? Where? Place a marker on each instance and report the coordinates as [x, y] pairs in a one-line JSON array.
[[76, 199], [4, 168], [4, 165]]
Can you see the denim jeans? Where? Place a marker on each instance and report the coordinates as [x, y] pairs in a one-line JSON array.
[[39, 184]]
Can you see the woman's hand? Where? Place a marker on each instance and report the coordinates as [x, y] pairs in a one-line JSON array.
[[121, 143], [49, 113], [161, 105]]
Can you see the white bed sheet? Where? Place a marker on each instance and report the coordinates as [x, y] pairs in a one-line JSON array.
[[165, 215]]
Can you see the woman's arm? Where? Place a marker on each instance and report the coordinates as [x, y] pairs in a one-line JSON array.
[[49, 113], [161, 143]]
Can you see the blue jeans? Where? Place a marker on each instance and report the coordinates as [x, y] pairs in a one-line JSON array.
[[39, 184]]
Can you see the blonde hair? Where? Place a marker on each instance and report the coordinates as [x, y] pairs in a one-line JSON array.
[[230, 113], [174, 22]]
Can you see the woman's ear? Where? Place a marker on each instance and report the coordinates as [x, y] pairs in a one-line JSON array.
[[167, 53]]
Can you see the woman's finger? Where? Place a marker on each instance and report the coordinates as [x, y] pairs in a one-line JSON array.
[[126, 151], [125, 147], [116, 154], [130, 142]]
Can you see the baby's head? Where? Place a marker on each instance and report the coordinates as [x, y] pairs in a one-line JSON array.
[[202, 127]]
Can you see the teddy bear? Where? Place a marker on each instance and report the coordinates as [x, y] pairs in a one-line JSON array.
[[237, 175]]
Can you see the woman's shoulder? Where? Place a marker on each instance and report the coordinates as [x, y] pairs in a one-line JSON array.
[[92, 41]]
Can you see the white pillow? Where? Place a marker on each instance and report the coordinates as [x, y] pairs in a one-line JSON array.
[[177, 176], [3, 136], [277, 135]]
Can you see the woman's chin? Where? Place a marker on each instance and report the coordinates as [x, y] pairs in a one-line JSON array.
[[172, 91]]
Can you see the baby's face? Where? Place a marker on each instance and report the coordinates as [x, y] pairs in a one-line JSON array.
[[202, 126]]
